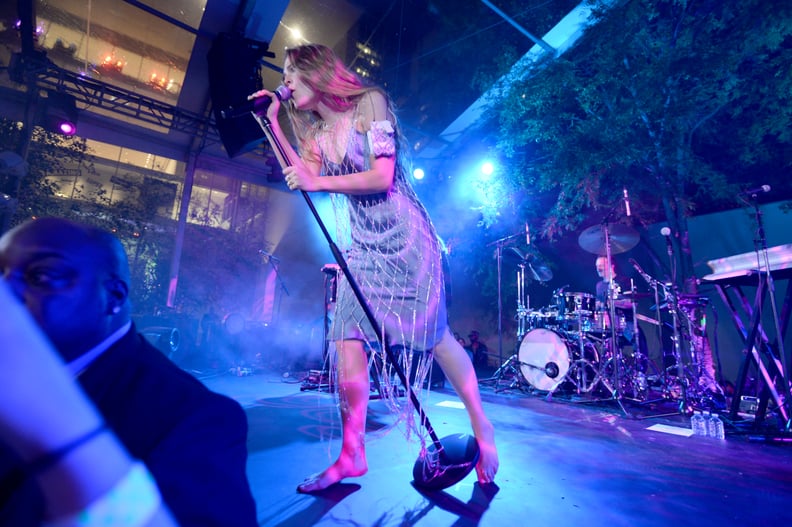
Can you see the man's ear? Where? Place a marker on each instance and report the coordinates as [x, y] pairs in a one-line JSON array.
[[118, 293]]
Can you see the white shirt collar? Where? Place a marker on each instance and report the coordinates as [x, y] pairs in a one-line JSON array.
[[78, 365]]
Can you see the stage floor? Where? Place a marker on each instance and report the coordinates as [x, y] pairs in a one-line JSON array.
[[564, 461]]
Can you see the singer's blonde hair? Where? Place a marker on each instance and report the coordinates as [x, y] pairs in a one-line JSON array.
[[340, 88]]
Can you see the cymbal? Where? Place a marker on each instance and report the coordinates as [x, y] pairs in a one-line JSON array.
[[622, 238], [535, 266], [514, 251], [540, 272]]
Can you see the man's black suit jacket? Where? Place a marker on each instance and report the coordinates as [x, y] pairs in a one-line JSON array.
[[192, 440]]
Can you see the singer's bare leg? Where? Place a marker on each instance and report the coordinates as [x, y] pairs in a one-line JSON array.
[[353, 392], [458, 369]]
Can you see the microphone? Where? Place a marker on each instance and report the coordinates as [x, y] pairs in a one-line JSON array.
[[627, 202], [755, 191], [666, 232], [641, 271], [258, 105]]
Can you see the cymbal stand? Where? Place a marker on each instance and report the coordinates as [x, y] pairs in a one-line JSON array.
[[640, 362], [690, 332], [523, 303], [511, 367], [672, 301], [499, 244], [658, 322], [616, 356]]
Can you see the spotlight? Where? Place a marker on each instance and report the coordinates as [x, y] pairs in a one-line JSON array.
[[487, 168], [418, 173], [67, 127], [61, 113]]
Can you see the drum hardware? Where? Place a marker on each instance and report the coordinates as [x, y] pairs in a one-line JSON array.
[[523, 302], [646, 319], [534, 264], [638, 374], [681, 378], [585, 374], [499, 245], [507, 370], [606, 240], [531, 266]]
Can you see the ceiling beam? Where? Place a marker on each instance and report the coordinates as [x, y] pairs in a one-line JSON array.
[[558, 40]]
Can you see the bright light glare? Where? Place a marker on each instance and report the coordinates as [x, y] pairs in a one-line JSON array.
[[487, 168], [67, 128], [418, 173]]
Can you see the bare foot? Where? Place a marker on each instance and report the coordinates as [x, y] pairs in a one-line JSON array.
[[487, 465], [344, 467]]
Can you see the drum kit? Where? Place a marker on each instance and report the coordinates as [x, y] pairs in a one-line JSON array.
[[572, 345]]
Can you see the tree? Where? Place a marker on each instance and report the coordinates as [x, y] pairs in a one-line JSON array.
[[679, 101]]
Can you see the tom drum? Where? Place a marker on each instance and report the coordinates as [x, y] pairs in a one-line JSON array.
[[573, 305]]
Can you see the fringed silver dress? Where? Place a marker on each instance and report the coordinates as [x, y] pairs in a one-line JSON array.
[[394, 255]]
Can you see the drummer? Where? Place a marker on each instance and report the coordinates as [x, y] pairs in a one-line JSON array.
[[623, 306], [607, 273]]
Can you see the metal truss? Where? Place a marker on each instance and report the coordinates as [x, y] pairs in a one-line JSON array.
[[99, 95]]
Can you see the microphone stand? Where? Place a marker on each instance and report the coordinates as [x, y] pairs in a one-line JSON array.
[[435, 469], [763, 261], [274, 262]]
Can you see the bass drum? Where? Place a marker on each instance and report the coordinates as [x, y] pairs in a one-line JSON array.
[[548, 358], [544, 359]]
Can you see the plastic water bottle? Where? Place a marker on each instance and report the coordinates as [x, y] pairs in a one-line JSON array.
[[715, 427], [706, 415], [698, 424]]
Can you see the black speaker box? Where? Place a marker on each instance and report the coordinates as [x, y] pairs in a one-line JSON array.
[[234, 63]]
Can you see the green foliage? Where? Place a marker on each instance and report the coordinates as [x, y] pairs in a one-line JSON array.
[[62, 181], [652, 98], [216, 266]]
